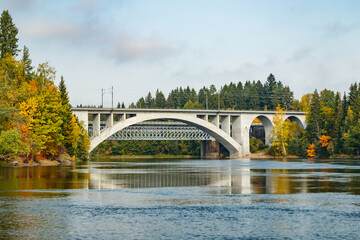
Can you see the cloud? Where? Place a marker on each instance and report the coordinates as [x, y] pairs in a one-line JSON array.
[[42, 29], [301, 54], [119, 46], [127, 47], [338, 28], [86, 5], [17, 4]]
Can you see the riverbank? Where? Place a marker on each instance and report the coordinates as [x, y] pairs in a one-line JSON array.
[[147, 156], [63, 160], [264, 155]]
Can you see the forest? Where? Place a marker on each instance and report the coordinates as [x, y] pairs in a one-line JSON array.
[[36, 122]]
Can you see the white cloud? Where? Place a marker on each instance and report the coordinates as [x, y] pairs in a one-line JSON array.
[[127, 47], [42, 29], [17, 4], [119, 46]]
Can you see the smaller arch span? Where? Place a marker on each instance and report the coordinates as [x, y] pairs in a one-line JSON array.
[[225, 139], [297, 120], [268, 126]]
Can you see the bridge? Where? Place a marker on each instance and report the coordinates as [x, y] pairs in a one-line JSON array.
[[229, 127]]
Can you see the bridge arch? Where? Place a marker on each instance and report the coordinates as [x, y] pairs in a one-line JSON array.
[[268, 126], [267, 121], [297, 120], [225, 139]]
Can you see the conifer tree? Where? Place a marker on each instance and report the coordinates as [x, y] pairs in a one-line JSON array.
[[313, 129], [8, 35], [27, 64], [63, 92]]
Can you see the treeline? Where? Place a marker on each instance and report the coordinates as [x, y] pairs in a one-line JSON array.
[[36, 121], [253, 95], [333, 126], [148, 147]]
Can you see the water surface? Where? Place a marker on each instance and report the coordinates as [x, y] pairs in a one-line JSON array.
[[177, 199]]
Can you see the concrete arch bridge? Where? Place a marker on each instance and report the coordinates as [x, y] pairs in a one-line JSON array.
[[229, 127]]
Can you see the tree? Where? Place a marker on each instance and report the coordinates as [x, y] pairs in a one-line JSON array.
[[325, 145], [305, 102], [280, 134], [311, 151], [352, 138], [11, 144], [313, 119], [63, 92], [149, 101], [170, 102], [43, 123], [8, 35], [160, 100], [27, 64], [269, 87], [193, 105]]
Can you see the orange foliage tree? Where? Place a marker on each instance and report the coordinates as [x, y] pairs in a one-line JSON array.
[[311, 151]]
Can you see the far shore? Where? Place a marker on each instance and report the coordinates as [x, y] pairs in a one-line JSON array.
[[67, 162], [37, 164]]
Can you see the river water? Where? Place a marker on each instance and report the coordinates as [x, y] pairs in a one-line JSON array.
[[183, 199]]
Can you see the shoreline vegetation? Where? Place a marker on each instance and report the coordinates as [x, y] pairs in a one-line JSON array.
[[70, 162]]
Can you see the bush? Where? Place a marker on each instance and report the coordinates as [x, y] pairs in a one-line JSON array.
[[256, 144], [11, 144]]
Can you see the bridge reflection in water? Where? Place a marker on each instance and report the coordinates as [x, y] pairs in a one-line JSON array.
[[214, 176], [221, 180]]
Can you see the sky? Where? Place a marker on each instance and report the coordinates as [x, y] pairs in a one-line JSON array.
[[137, 46]]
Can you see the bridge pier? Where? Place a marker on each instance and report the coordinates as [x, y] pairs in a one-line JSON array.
[[209, 149], [96, 124]]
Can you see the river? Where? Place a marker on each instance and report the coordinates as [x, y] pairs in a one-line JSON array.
[[183, 199]]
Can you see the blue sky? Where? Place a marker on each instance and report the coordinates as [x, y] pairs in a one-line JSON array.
[[143, 45]]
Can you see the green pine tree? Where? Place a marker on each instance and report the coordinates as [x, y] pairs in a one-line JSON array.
[[27, 64], [8, 33], [313, 119]]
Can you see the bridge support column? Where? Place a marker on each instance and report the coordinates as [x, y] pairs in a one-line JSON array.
[[96, 124], [225, 123], [268, 130], [214, 119], [109, 120], [240, 132], [209, 149]]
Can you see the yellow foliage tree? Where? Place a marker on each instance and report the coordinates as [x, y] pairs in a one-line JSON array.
[[305, 102], [43, 122], [280, 135]]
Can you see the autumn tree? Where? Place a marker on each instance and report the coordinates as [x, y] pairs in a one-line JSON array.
[[11, 145], [311, 151], [43, 123], [280, 135], [193, 105]]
